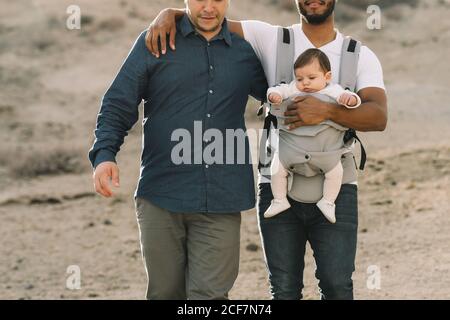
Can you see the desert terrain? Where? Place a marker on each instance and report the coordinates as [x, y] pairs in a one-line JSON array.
[[51, 83]]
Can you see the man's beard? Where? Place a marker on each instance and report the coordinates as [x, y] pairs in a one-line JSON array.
[[210, 29], [317, 18]]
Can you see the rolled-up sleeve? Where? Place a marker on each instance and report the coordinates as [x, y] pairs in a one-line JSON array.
[[119, 108]]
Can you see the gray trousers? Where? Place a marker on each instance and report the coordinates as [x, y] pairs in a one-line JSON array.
[[188, 255]]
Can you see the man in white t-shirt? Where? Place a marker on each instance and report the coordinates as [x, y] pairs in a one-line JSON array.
[[284, 237]]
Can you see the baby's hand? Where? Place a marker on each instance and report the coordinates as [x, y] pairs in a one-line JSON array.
[[347, 99], [275, 98]]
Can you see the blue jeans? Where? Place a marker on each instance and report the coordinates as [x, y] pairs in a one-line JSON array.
[[284, 239]]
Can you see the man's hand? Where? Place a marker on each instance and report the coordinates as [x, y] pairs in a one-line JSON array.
[[164, 24], [104, 174], [275, 98], [306, 111]]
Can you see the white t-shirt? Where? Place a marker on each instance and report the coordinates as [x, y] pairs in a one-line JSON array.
[[263, 38]]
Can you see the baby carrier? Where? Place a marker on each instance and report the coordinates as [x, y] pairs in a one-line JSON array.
[[309, 188]]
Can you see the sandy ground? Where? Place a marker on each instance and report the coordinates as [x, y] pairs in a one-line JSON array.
[[51, 81]]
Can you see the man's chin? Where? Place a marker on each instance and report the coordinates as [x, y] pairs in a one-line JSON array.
[[317, 17], [208, 28]]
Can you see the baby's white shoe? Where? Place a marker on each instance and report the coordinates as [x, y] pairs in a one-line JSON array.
[[276, 207], [328, 209]]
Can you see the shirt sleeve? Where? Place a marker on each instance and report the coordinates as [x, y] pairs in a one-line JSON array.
[[370, 71], [335, 91], [261, 36], [284, 90], [119, 108], [259, 82]]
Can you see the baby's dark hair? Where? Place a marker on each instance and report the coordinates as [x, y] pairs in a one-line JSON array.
[[309, 56]]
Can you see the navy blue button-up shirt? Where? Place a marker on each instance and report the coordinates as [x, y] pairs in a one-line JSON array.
[[202, 85]]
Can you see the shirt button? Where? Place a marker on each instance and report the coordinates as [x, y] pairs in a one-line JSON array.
[[208, 115], [211, 67], [211, 92], [207, 166], [209, 44]]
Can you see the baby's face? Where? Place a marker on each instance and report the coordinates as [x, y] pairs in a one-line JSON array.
[[312, 78]]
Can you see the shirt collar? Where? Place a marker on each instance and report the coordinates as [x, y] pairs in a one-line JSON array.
[[186, 28]]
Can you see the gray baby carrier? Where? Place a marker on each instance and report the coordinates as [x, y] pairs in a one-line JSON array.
[[309, 189]]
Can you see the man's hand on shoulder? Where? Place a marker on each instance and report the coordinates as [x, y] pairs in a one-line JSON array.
[[164, 24]]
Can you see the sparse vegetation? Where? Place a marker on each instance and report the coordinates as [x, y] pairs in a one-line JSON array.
[[49, 99], [86, 19], [360, 4], [363, 4], [43, 44], [55, 22], [6, 110], [19, 78], [31, 164], [111, 24]]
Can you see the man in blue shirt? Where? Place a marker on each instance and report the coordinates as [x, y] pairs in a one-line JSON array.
[[188, 213]]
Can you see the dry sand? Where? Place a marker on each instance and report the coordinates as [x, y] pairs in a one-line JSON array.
[[51, 81]]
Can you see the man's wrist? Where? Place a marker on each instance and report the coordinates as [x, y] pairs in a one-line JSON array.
[[178, 13], [103, 155], [330, 110]]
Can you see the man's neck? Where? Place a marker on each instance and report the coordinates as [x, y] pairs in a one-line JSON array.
[[209, 35], [320, 34]]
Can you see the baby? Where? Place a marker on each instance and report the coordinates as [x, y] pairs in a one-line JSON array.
[[312, 75]]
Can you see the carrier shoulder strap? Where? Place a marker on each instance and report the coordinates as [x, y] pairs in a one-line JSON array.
[[285, 56], [349, 63], [347, 79], [283, 74]]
